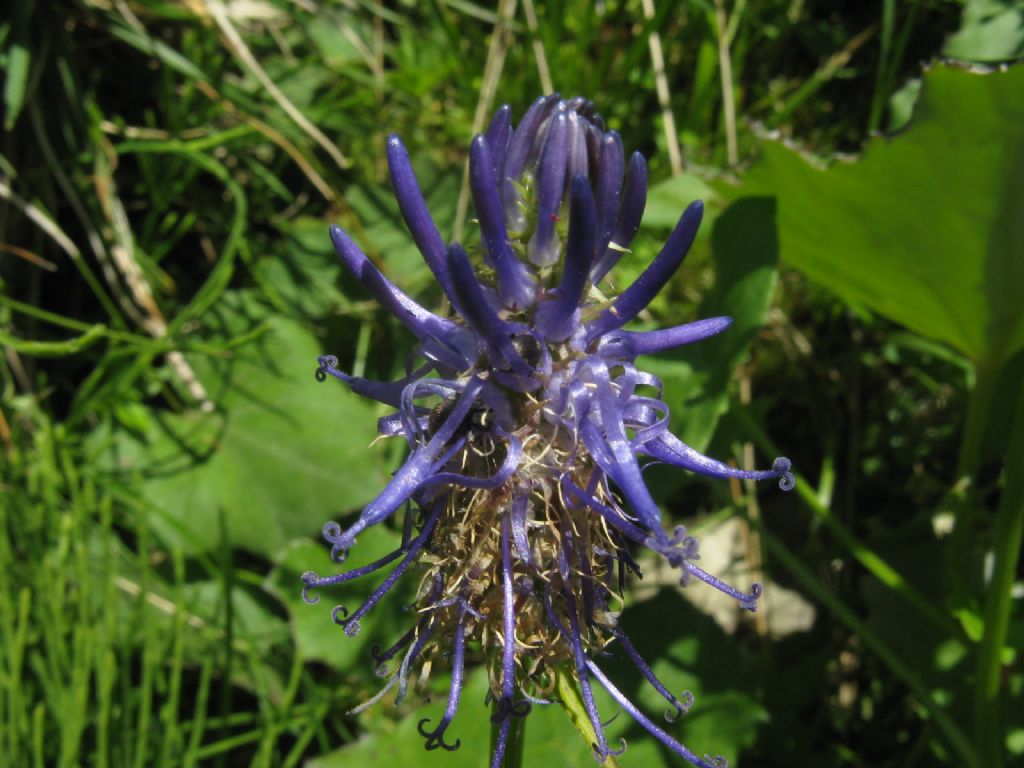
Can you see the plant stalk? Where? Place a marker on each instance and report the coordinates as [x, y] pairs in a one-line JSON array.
[[961, 570], [572, 703], [1007, 538], [516, 743]]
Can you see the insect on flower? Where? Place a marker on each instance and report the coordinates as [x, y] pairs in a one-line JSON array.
[[527, 420]]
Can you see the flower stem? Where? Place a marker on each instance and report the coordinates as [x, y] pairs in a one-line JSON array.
[[516, 738], [962, 565], [569, 698], [1007, 538]]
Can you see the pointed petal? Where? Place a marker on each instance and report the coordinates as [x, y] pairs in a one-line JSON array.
[[606, 192], [491, 329], [419, 467], [515, 159], [415, 212], [645, 721], [607, 442], [523, 136], [631, 211], [543, 249], [499, 133], [577, 162], [450, 342], [671, 450], [615, 457], [516, 286], [680, 706], [557, 318], [628, 345], [435, 738], [387, 392], [638, 295]]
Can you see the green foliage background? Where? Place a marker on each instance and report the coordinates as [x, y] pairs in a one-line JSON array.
[[167, 172]]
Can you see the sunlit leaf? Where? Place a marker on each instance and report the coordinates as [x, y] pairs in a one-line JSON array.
[[926, 228], [281, 454]]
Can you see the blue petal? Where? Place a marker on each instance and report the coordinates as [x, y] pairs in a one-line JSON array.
[[637, 296], [557, 318], [515, 284], [631, 211], [543, 248], [495, 333], [415, 212], [628, 345], [450, 343]]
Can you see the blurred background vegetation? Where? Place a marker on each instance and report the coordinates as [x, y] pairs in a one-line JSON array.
[[167, 172]]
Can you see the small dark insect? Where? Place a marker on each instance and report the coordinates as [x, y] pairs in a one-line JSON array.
[[477, 423], [528, 348]]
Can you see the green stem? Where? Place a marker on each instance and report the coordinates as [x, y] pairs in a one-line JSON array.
[[1007, 539], [572, 703], [979, 406], [516, 739]]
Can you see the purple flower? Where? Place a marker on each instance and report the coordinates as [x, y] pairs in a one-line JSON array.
[[527, 422]]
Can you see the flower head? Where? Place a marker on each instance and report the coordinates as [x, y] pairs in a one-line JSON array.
[[527, 421]]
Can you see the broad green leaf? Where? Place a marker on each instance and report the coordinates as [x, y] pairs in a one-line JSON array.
[[253, 623], [926, 228], [667, 200], [305, 275], [337, 46], [281, 454]]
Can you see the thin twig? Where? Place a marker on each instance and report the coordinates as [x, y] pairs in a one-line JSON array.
[[29, 256], [38, 217], [219, 15], [725, 69], [274, 136], [492, 74], [675, 157], [543, 72]]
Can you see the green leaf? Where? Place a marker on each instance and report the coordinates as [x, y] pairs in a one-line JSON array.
[[305, 274], [252, 622], [19, 60], [337, 49], [926, 228], [991, 30], [281, 455], [667, 200]]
